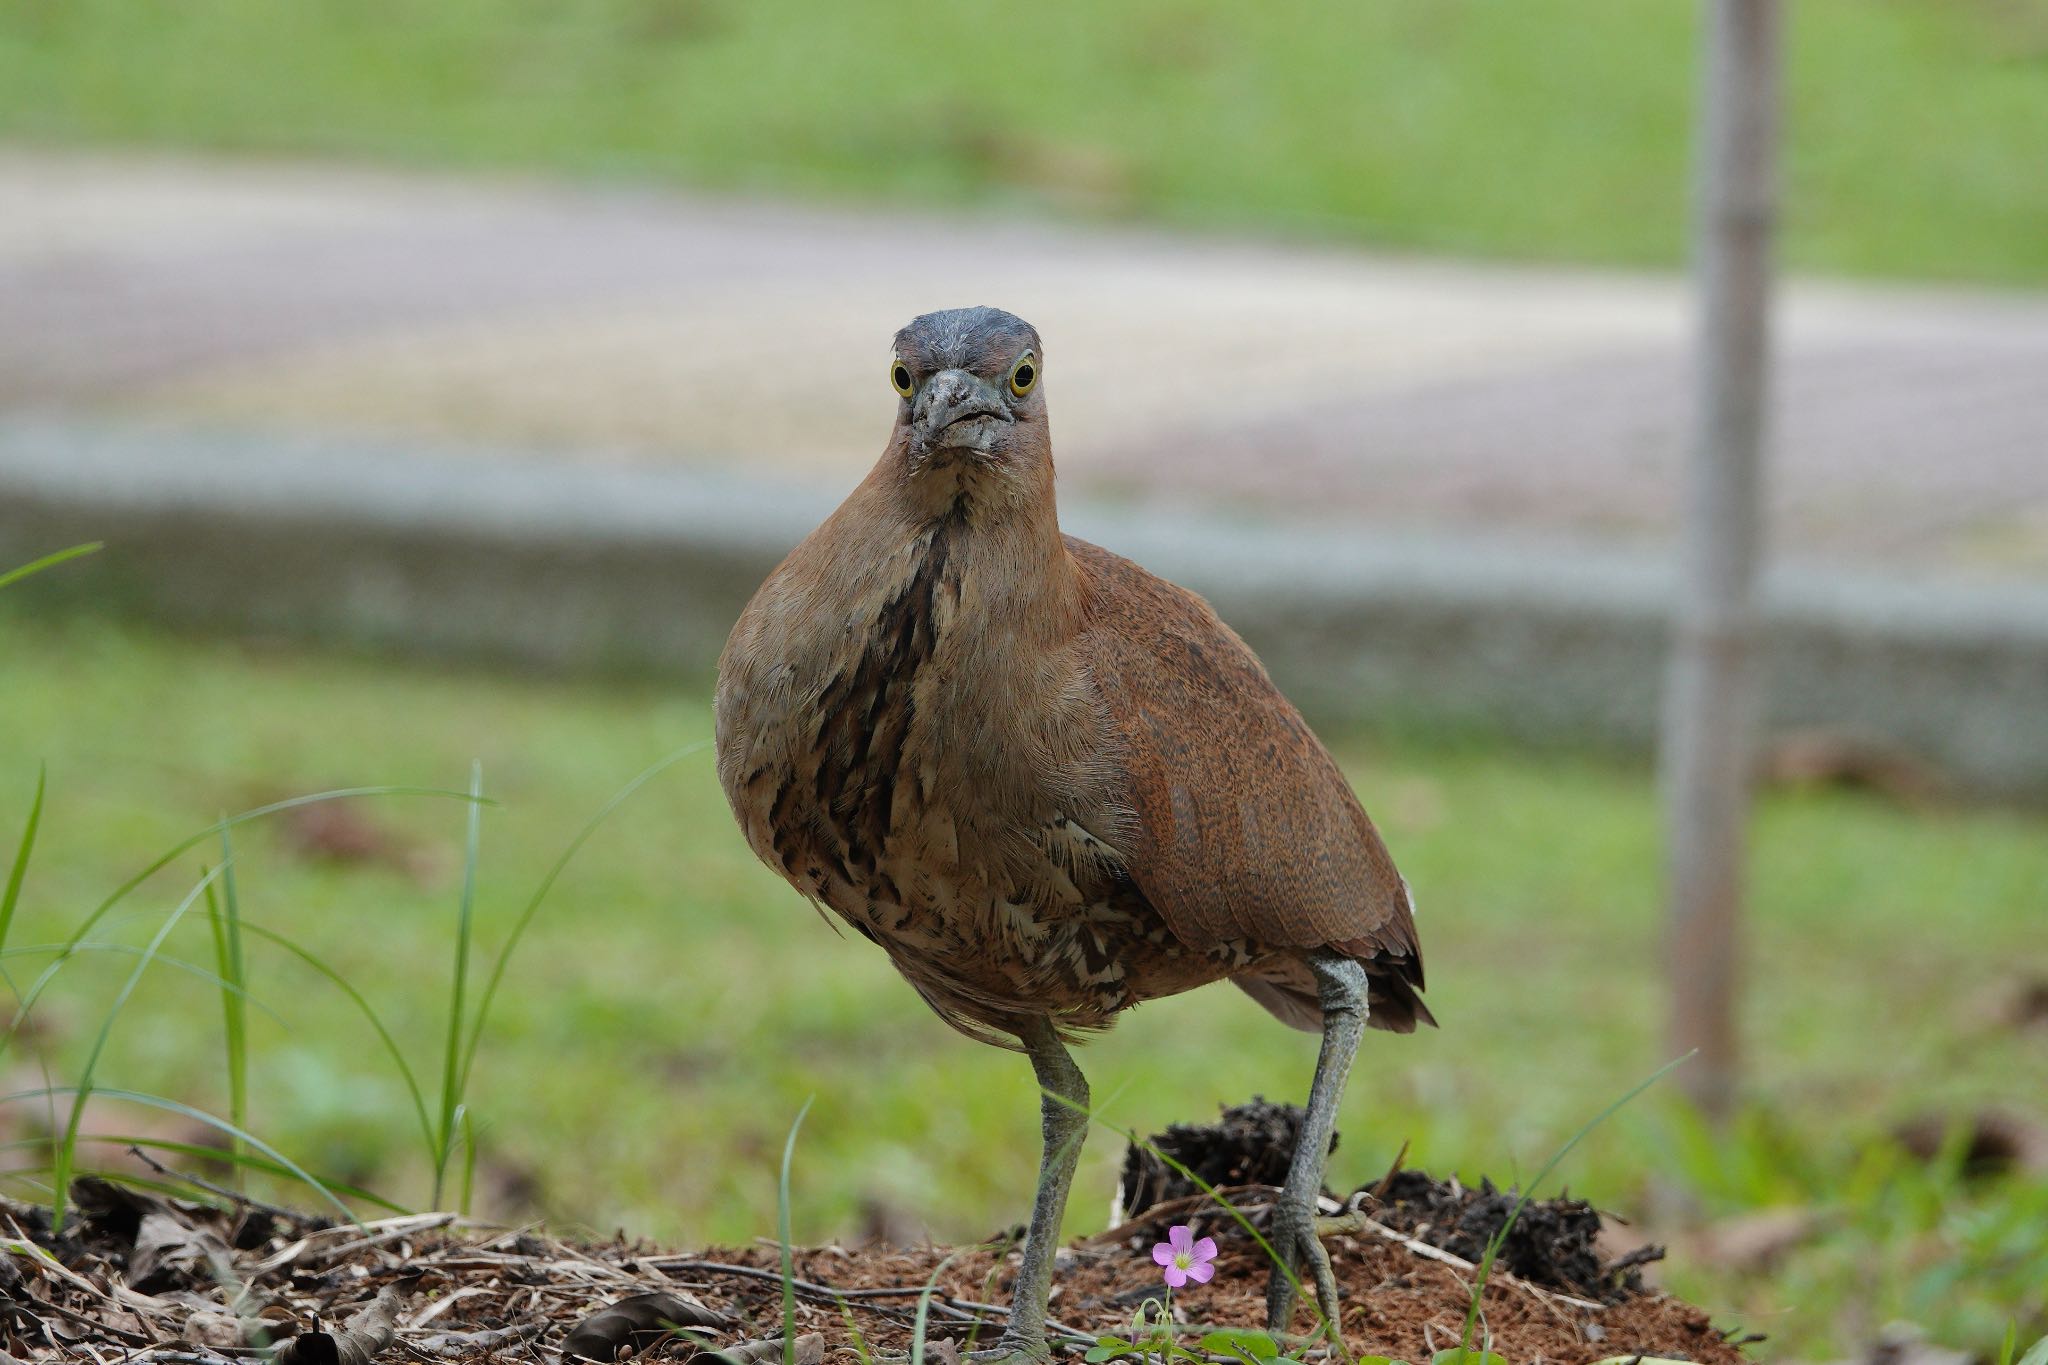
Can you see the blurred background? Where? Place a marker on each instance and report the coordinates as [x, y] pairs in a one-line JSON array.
[[441, 379]]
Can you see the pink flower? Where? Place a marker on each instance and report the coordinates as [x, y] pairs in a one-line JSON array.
[[1182, 1258]]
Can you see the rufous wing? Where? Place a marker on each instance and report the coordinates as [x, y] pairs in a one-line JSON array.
[[1242, 826]]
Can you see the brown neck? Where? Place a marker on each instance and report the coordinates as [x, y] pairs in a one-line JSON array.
[[998, 522]]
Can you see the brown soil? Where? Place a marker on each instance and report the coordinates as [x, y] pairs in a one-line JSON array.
[[1554, 1243], [141, 1277]]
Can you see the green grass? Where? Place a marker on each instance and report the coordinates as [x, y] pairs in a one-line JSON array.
[[673, 1003], [1541, 128]]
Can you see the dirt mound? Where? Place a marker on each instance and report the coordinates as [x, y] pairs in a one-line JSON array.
[[1250, 1145], [1554, 1242], [136, 1273]]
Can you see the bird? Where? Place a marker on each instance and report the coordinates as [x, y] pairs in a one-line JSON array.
[[1049, 784]]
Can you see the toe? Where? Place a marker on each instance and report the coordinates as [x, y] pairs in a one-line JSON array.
[[1280, 1286], [1303, 1253], [1010, 1350]]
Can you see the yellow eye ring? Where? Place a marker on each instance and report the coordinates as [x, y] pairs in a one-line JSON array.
[[1024, 374], [899, 376]]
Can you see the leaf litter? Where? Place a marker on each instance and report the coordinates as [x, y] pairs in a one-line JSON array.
[[140, 1276]]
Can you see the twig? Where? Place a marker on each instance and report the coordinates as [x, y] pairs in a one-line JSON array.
[[72, 1315], [442, 1305], [1356, 1221], [1185, 1204], [1052, 1325], [451, 1345], [50, 1265], [1642, 1255], [1379, 1191], [201, 1182], [821, 1292], [827, 1293], [508, 1236], [393, 1229]]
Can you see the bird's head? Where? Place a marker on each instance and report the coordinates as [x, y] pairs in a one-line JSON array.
[[969, 398]]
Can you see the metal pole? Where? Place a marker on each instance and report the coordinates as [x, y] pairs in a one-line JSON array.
[[1710, 714]]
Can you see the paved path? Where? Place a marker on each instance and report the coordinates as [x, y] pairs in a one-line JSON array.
[[1270, 383]]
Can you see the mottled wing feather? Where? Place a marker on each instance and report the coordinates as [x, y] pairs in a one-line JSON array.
[[1242, 826]]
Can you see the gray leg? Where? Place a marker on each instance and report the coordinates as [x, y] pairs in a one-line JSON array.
[[1341, 984], [1066, 1125]]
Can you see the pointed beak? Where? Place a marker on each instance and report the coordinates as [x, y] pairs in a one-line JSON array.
[[956, 411]]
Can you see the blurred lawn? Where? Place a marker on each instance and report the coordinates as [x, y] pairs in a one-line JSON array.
[[676, 1003], [1542, 128]]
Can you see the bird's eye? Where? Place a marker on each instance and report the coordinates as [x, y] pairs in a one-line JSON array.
[[1024, 374], [899, 376]]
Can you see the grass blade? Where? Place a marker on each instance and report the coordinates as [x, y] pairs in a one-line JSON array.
[[200, 1152], [924, 1307], [1301, 1291], [1500, 1238], [853, 1334], [412, 1084], [50, 561], [11, 896], [782, 1235], [211, 978], [169, 1189], [218, 1124], [122, 892], [547, 884], [224, 915], [468, 1159], [451, 1052], [62, 1159]]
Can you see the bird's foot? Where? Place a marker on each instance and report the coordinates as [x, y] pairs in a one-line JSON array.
[[1295, 1239], [1008, 1350]]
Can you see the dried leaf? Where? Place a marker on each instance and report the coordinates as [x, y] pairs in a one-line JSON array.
[[642, 1321], [1828, 758], [461, 1345], [2028, 1006], [366, 1333], [343, 834], [213, 1329], [1994, 1141], [171, 1253], [1903, 1343], [1752, 1243], [336, 832], [810, 1350]]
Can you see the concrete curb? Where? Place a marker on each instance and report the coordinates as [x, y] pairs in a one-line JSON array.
[[581, 566]]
